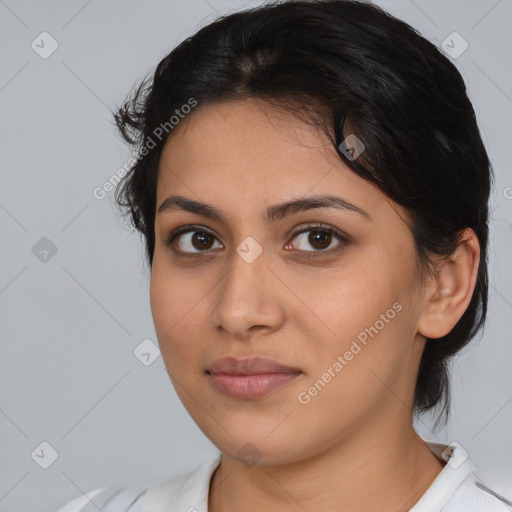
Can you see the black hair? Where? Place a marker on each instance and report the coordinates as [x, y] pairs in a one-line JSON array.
[[354, 69]]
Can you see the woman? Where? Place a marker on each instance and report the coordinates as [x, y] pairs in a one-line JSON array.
[[313, 190]]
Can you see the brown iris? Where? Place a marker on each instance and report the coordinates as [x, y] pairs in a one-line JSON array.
[[201, 237], [319, 237]]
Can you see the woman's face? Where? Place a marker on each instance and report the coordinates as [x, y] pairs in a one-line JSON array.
[[341, 308]]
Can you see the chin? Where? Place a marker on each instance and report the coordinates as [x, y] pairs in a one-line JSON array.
[[256, 450]]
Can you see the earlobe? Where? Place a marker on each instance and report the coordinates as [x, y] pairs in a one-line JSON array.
[[449, 292]]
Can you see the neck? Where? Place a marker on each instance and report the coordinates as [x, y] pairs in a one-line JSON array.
[[385, 470]]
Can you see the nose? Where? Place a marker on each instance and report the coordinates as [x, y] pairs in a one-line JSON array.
[[247, 299]]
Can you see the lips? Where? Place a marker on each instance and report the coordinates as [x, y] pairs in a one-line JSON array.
[[249, 366], [250, 378]]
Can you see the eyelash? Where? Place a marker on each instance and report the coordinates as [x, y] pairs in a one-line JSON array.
[[344, 241]]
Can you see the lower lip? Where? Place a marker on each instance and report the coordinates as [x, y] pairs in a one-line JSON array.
[[250, 386]]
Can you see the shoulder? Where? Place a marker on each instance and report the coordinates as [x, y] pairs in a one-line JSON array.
[[475, 496], [458, 488], [186, 492], [107, 499], [177, 493]]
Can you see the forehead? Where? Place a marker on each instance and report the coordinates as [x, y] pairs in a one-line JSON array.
[[241, 135], [250, 153]]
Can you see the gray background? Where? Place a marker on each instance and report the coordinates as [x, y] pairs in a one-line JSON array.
[[70, 324]]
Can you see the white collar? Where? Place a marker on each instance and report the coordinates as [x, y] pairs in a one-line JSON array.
[[185, 493], [457, 468]]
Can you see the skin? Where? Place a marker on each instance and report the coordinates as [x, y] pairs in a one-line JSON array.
[[356, 435]]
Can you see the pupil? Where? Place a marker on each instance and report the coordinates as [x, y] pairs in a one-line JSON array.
[[318, 239], [201, 237]]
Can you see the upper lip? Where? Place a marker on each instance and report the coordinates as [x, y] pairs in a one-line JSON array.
[[249, 366]]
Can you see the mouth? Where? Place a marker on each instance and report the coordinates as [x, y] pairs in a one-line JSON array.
[[251, 377], [250, 386]]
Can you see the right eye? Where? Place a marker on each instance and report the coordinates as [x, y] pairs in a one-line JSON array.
[[196, 237]]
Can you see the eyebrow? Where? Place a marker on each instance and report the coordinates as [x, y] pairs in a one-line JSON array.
[[271, 214]]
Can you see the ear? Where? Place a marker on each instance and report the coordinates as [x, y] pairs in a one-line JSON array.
[[448, 294]]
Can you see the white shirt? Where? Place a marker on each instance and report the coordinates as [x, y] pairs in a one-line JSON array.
[[457, 488]]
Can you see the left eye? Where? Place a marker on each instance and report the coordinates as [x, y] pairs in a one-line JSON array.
[[319, 237]]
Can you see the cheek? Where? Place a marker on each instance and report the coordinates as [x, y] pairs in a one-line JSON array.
[[169, 310], [173, 298], [362, 303], [345, 299], [179, 309]]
